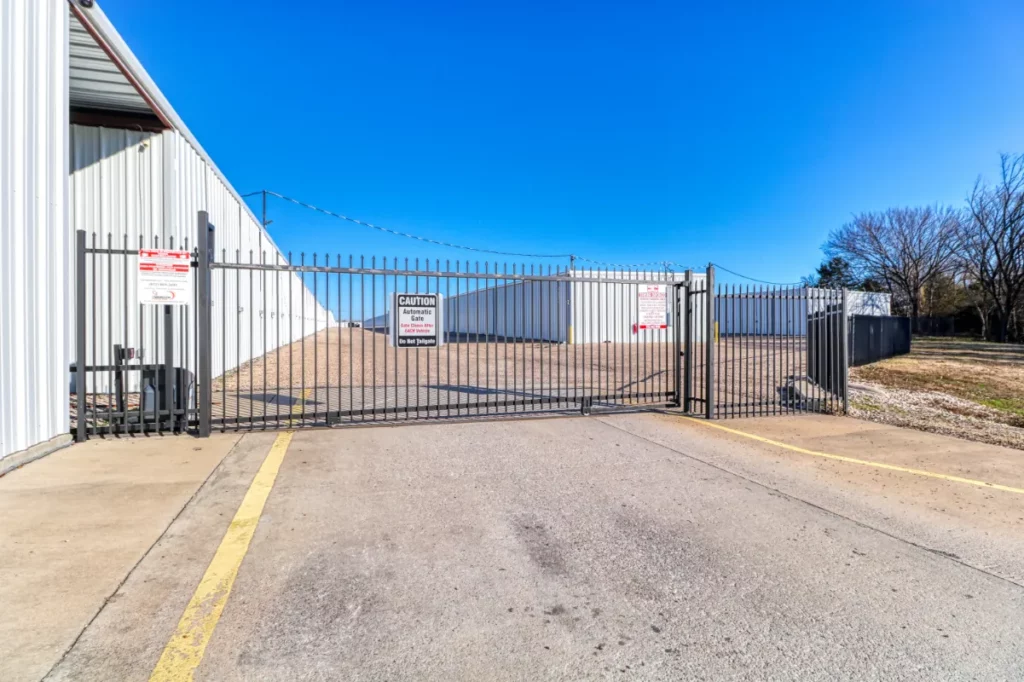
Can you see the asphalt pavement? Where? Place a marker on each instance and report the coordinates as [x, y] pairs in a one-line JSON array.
[[635, 546]]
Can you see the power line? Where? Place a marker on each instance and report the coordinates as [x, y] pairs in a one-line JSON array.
[[754, 279], [428, 240]]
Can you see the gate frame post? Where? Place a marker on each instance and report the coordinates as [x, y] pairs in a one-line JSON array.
[[204, 341], [80, 335], [168, 370], [688, 344], [709, 338], [681, 292], [844, 351]]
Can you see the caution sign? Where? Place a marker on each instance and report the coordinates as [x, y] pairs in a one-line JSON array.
[[164, 277], [416, 321], [652, 307]]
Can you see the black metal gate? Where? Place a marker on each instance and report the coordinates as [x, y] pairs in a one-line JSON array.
[[135, 365], [271, 342], [508, 340]]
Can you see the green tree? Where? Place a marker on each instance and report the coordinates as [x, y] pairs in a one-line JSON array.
[[834, 273]]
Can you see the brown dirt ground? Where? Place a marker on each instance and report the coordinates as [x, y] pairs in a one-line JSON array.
[[958, 387], [763, 371], [360, 357]]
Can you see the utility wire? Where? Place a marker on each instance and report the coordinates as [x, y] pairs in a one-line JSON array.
[[759, 281], [413, 236], [660, 264]]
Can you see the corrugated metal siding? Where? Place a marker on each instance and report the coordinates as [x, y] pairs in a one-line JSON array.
[[531, 310], [869, 303], [607, 311], [152, 186], [784, 311], [94, 81], [600, 311], [33, 223]]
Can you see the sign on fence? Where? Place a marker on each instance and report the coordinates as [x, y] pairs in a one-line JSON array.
[[416, 321], [652, 307], [164, 277]]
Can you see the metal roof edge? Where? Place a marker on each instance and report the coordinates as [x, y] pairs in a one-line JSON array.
[[97, 23]]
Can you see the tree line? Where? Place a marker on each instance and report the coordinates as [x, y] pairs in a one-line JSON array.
[[942, 261]]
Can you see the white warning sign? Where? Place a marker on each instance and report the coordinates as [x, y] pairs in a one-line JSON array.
[[416, 321], [165, 277], [652, 307]]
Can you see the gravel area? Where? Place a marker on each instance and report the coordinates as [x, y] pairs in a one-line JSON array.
[[933, 412], [956, 387]]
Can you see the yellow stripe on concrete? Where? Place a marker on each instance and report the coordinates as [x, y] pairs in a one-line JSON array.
[[185, 651], [864, 462], [300, 404]]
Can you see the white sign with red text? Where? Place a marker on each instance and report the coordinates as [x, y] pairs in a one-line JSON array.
[[164, 277], [652, 307]]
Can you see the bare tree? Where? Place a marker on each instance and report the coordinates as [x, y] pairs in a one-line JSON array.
[[992, 242], [903, 248]]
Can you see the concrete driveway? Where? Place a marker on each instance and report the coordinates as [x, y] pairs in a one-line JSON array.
[[635, 546]]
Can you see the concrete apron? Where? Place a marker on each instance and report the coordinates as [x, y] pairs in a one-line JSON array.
[[556, 549], [75, 524]]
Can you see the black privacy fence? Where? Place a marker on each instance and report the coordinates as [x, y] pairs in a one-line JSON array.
[[174, 336], [878, 337]]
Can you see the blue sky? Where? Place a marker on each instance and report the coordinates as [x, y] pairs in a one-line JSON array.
[[739, 133]]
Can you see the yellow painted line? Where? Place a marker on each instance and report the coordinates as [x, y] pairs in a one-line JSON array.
[[300, 403], [864, 462], [185, 650]]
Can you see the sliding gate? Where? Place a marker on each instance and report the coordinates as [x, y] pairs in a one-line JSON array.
[[268, 342], [393, 339]]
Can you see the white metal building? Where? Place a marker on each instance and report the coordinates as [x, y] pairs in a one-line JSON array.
[[90, 143], [607, 311], [598, 312], [784, 311], [560, 311]]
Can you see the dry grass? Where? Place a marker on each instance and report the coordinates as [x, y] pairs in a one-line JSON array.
[[970, 389]]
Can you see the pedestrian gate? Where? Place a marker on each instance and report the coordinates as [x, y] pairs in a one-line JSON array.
[[269, 342]]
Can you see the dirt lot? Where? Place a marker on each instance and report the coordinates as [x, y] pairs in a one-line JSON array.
[[353, 374], [958, 387], [357, 369]]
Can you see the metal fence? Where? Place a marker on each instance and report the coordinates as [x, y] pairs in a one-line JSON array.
[[271, 342], [776, 350], [134, 369], [876, 337], [501, 348]]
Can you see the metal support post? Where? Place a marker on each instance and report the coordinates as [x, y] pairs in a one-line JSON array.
[[119, 357], [570, 309], [709, 344], [80, 335], [168, 383], [844, 352], [204, 342], [681, 293], [687, 330]]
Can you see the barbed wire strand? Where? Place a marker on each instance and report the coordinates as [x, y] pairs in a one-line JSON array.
[[754, 279], [450, 245]]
